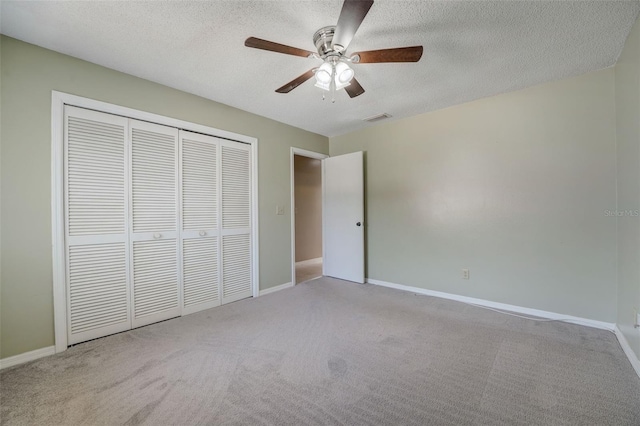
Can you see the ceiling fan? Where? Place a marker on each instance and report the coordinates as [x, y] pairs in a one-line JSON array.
[[332, 43]]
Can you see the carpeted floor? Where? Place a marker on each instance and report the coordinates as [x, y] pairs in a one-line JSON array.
[[308, 270], [331, 352]]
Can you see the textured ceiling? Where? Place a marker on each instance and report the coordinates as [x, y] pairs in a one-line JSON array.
[[472, 49]]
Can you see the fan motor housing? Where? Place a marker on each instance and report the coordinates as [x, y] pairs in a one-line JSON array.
[[323, 38]]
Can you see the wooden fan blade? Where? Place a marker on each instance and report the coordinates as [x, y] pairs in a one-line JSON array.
[[400, 54], [258, 43], [354, 89], [351, 16], [296, 82]]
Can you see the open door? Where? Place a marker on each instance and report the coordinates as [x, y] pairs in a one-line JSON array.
[[343, 217]]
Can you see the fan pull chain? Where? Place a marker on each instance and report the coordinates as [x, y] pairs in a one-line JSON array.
[[333, 84]]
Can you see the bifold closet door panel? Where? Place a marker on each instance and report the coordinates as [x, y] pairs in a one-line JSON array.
[[156, 293], [236, 221], [200, 220], [96, 235]]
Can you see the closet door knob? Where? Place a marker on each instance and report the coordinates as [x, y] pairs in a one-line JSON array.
[[202, 233], [157, 235]]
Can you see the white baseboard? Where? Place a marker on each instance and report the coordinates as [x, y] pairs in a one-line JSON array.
[[309, 261], [26, 357], [496, 305], [633, 358], [276, 288]]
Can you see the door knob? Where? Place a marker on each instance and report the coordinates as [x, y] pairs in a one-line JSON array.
[[202, 233], [358, 224], [157, 235]]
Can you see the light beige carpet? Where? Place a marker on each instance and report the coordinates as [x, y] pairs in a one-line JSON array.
[[331, 352], [308, 270]]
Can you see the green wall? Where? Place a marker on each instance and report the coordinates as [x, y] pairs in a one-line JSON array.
[[627, 74], [512, 187], [28, 75]]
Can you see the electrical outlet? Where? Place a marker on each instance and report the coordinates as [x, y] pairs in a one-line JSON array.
[[465, 274], [637, 324], [280, 210]]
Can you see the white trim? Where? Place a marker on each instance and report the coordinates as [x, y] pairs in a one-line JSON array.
[[67, 99], [310, 154], [276, 288], [496, 305], [26, 357], [308, 261], [324, 218], [57, 222], [255, 211], [626, 348], [58, 101], [306, 153]]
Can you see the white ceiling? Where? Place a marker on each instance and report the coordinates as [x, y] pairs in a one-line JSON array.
[[472, 49]]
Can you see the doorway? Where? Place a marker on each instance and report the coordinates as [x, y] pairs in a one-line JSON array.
[[306, 215]]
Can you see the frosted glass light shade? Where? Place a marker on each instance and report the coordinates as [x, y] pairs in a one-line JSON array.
[[344, 74], [323, 86], [323, 75]]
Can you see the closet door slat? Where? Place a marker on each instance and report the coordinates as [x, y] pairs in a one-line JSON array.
[[236, 260], [101, 291], [199, 184], [200, 272], [153, 156], [105, 179], [236, 197], [155, 277]]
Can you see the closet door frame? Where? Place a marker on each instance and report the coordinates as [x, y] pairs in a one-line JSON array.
[[58, 216]]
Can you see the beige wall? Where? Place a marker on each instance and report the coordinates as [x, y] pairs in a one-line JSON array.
[[627, 75], [28, 76], [513, 187], [308, 196]]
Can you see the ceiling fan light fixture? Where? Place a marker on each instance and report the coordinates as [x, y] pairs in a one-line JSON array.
[[332, 43], [323, 86], [344, 74], [324, 74], [341, 85]]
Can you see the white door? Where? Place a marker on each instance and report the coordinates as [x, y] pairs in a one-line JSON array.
[[156, 294], [200, 220], [343, 217], [157, 222], [235, 175], [96, 234]]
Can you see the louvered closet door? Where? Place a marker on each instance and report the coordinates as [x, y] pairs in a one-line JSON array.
[[155, 268], [96, 240], [236, 221], [200, 220]]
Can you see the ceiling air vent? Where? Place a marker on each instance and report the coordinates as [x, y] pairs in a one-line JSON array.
[[378, 117]]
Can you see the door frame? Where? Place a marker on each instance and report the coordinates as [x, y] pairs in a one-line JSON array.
[[58, 102], [309, 154]]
